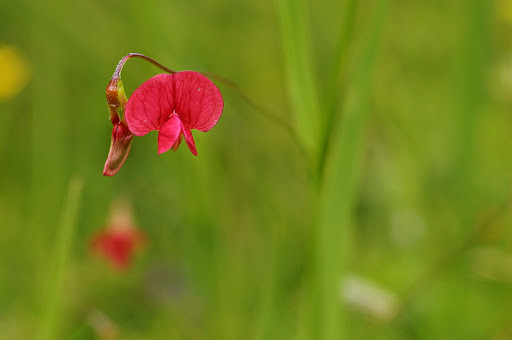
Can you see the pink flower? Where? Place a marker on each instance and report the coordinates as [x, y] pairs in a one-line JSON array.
[[174, 104], [120, 239]]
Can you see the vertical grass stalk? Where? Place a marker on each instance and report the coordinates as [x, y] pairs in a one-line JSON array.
[[471, 82], [339, 187], [335, 86], [63, 244], [300, 72]]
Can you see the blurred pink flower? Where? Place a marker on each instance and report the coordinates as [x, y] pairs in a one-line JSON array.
[[120, 239]]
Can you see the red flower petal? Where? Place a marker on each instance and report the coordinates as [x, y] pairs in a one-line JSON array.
[[170, 134], [189, 139], [176, 144], [193, 97], [117, 244], [120, 145]]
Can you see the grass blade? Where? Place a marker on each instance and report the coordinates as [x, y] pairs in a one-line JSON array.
[[471, 82], [339, 186], [300, 72], [335, 85], [64, 241]]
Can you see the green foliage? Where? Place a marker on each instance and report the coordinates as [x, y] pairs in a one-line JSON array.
[[394, 222]]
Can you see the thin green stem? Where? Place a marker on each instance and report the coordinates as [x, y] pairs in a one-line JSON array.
[[335, 83], [120, 65], [471, 97], [64, 241], [272, 116]]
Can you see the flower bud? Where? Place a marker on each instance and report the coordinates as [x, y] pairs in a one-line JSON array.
[[119, 148], [116, 99]]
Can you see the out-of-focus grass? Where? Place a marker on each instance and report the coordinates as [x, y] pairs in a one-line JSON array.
[[51, 315], [232, 233], [342, 171], [298, 61]]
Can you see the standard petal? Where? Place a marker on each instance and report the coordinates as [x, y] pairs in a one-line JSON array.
[[151, 105], [169, 134], [198, 102]]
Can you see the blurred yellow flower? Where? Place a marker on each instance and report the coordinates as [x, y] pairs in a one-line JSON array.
[[505, 10], [13, 72]]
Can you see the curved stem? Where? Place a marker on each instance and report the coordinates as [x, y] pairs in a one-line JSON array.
[[119, 68], [116, 98]]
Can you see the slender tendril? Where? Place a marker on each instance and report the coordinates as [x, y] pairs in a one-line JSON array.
[[265, 112]]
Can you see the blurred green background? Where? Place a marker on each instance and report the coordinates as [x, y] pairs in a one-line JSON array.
[[384, 214]]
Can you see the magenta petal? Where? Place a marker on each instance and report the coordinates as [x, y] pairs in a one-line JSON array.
[[169, 134], [197, 100], [120, 146], [189, 139], [176, 144], [151, 105], [192, 96]]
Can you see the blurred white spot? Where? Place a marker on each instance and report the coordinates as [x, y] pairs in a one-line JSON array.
[[406, 228], [198, 89], [368, 298]]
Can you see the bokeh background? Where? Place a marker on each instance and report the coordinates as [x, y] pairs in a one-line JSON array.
[[366, 195]]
